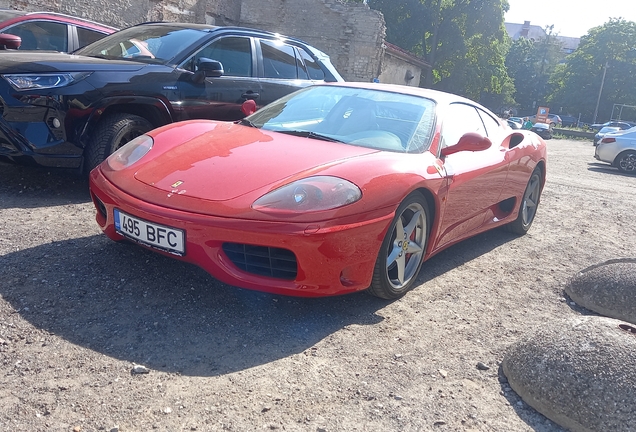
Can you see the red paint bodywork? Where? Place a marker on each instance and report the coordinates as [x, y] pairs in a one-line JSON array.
[[336, 250]]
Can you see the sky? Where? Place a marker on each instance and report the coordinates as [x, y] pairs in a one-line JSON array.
[[571, 18]]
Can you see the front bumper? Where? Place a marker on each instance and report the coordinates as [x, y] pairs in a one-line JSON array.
[[331, 257], [35, 134]]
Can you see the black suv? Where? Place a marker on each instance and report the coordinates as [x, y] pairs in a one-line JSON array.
[[73, 110]]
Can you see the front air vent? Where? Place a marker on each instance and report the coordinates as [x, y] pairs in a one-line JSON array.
[[263, 261]]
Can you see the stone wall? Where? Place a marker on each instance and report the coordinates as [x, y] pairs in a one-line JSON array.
[[351, 34]]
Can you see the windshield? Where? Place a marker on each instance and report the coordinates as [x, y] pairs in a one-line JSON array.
[[363, 117], [150, 43]]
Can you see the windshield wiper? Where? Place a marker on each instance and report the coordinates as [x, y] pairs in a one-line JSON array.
[[246, 122], [308, 134]]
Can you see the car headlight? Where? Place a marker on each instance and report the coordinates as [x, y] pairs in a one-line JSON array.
[[309, 194], [44, 80], [130, 153]]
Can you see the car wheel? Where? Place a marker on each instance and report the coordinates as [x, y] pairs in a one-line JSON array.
[[111, 133], [626, 162], [402, 250], [529, 205]]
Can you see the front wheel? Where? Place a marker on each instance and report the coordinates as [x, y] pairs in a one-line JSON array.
[[529, 205], [402, 250], [112, 133], [626, 162]]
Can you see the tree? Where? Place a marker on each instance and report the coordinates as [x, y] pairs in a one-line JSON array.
[[530, 64], [463, 40], [605, 60]]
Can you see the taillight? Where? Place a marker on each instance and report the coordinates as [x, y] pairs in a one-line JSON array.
[[608, 140]]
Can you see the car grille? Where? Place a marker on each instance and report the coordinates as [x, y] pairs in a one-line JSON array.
[[263, 261]]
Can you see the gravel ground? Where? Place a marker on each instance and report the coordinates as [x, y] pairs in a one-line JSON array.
[[79, 312]]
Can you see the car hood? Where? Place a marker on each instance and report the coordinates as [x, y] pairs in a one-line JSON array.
[[233, 160], [38, 61]]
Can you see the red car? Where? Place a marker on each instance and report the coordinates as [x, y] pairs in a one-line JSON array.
[[333, 189], [49, 31]]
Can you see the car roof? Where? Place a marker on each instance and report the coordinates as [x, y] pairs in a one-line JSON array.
[[10, 16], [228, 29]]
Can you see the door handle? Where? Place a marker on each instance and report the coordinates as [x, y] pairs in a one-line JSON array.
[[250, 95]]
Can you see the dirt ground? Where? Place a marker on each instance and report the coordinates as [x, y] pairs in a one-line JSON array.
[[79, 312]]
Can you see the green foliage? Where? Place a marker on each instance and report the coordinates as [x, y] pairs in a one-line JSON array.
[[610, 48], [530, 64], [464, 40]]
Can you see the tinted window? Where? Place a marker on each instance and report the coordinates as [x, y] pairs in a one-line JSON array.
[[315, 73], [234, 53], [279, 60], [86, 36], [41, 35]]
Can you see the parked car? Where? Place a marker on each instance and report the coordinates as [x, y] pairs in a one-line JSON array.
[[515, 122], [553, 119], [333, 189], [544, 130], [569, 121], [72, 111], [604, 130], [49, 31], [619, 149], [621, 125]]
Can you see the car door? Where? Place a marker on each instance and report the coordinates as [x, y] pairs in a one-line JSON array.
[[283, 70], [220, 98], [474, 179]]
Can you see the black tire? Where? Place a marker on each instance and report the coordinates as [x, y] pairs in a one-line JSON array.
[[111, 133], [529, 204], [398, 263], [626, 162]]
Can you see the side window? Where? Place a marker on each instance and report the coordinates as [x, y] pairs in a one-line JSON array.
[[279, 60], [41, 35], [313, 68], [86, 36], [234, 53], [492, 126], [460, 119]]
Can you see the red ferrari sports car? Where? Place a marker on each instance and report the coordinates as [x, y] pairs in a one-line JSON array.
[[333, 189]]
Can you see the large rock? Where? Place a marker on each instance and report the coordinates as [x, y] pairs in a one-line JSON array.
[[579, 373], [608, 288]]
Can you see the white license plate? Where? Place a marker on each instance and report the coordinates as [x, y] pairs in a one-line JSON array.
[[151, 234]]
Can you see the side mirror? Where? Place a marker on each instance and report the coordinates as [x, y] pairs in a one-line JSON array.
[[207, 68], [472, 141], [248, 107], [9, 41]]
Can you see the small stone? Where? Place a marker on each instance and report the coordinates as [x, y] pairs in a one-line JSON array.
[[439, 423], [114, 429], [482, 366], [77, 429], [139, 369], [443, 373], [167, 410], [266, 408]]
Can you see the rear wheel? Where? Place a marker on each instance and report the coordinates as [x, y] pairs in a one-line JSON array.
[[402, 250], [111, 133], [529, 205], [626, 162]]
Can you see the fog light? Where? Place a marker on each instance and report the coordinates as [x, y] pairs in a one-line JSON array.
[[56, 123]]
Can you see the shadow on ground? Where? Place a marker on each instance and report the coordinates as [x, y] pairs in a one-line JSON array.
[[30, 187], [136, 305]]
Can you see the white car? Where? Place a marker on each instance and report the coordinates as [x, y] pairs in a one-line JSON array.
[[619, 149], [604, 131]]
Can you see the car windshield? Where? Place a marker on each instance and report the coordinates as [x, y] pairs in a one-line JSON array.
[[363, 117], [149, 43]]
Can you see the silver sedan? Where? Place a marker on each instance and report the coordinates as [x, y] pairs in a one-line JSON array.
[[619, 149]]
